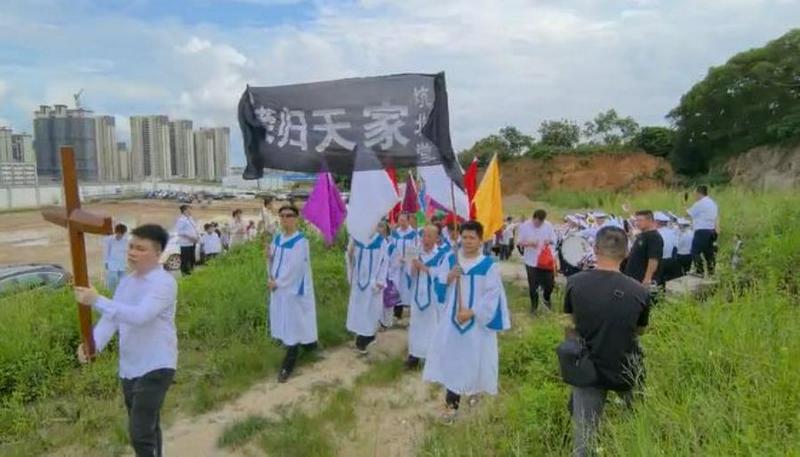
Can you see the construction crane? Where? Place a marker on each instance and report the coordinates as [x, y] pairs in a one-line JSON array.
[[77, 98]]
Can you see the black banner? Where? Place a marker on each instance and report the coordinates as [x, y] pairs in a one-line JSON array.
[[303, 127]]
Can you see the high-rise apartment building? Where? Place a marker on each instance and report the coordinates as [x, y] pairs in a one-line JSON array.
[[150, 147], [181, 148], [58, 126]]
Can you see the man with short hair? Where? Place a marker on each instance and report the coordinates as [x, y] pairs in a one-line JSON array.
[[188, 237], [705, 221], [463, 354], [609, 311], [292, 305], [535, 235], [645, 255], [142, 311], [115, 254]]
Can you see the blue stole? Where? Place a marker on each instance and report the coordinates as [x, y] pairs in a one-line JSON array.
[[434, 261], [279, 244], [404, 238], [480, 269], [371, 248]]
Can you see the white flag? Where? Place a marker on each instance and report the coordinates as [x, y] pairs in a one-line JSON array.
[[441, 189], [372, 196]]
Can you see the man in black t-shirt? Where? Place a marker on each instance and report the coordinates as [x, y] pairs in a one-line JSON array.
[[646, 252], [609, 310]]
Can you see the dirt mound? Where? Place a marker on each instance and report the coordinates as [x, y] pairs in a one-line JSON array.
[[766, 168], [611, 172]]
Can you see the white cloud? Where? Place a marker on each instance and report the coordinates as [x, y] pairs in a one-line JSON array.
[[521, 63]]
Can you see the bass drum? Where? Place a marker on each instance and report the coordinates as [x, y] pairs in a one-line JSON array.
[[576, 255]]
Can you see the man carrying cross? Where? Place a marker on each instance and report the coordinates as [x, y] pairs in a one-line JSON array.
[[142, 311]]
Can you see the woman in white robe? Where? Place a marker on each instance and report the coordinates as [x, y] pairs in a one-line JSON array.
[[292, 305], [368, 268], [463, 354]]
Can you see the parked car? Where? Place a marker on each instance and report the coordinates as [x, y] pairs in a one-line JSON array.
[[22, 277], [171, 257]]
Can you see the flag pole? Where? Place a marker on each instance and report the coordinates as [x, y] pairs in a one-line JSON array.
[[460, 302]]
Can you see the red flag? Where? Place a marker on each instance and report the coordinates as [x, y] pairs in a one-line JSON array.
[[396, 210], [410, 199], [471, 185]]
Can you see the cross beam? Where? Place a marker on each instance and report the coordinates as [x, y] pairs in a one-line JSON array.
[[77, 221]]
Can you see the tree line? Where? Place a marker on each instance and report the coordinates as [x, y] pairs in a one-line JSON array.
[[752, 100]]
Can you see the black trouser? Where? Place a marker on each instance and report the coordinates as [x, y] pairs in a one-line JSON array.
[[412, 362], [670, 269], [703, 247], [187, 259], [398, 311], [538, 277], [363, 341], [685, 261], [505, 251], [452, 399], [292, 352], [143, 399]]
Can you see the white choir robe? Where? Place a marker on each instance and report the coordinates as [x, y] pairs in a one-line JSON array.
[[367, 280], [292, 307], [401, 271], [425, 303], [464, 357]]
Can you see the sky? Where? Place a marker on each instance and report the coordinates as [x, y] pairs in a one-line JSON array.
[[507, 62]]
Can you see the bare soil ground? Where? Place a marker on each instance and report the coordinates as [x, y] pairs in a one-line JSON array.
[[26, 237]]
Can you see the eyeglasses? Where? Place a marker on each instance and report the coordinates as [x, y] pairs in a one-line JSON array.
[[287, 215]]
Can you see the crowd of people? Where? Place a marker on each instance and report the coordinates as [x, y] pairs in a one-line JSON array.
[[439, 280]]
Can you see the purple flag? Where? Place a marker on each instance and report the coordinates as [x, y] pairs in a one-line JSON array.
[[325, 208], [410, 202]]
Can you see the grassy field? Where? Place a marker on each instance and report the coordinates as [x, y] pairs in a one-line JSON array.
[[48, 402], [722, 374]]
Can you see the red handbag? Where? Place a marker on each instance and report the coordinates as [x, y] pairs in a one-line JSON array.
[[546, 260]]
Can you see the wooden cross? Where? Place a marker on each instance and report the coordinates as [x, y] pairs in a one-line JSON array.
[[78, 222]]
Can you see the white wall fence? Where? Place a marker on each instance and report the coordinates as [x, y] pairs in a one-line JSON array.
[[52, 194]]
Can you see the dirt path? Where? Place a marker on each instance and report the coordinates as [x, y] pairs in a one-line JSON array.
[[197, 436], [390, 419]]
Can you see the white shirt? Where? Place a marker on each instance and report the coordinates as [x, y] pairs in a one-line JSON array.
[[685, 242], [115, 253], [269, 220], [528, 234], [143, 312], [508, 234], [211, 243], [670, 241], [704, 214], [186, 229]]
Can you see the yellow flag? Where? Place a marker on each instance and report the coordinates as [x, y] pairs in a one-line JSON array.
[[489, 201]]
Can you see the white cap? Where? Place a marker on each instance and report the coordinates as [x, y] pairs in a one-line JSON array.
[[661, 217], [682, 221]]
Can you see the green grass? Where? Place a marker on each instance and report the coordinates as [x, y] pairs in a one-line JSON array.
[[296, 434], [48, 402], [722, 372], [382, 373], [240, 432]]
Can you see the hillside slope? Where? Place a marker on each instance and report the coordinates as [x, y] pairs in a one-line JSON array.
[[636, 171]]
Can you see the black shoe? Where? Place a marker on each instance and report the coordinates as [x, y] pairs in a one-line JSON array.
[[283, 376]]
